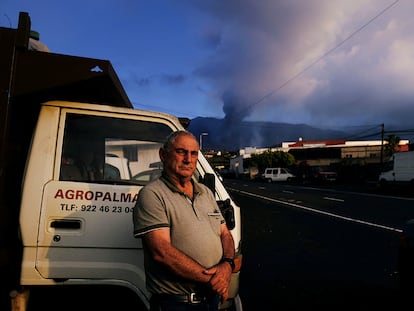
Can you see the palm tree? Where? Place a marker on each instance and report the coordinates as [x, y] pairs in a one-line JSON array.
[[392, 143]]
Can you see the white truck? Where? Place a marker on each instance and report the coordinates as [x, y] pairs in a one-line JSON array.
[[66, 206], [398, 169]]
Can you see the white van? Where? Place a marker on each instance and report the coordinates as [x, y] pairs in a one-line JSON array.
[[272, 174], [399, 168]]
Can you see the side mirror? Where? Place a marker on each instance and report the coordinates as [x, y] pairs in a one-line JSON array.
[[228, 213], [210, 181], [225, 206]]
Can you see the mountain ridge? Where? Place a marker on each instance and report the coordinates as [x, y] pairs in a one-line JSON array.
[[231, 135]]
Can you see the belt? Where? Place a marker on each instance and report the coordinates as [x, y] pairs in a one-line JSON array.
[[192, 298]]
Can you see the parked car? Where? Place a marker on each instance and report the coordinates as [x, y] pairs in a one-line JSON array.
[[272, 174], [326, 177]]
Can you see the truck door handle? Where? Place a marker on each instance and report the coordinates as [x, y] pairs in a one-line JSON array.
[[66, 224]]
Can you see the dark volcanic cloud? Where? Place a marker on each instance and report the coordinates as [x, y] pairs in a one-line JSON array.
[[322, 62]]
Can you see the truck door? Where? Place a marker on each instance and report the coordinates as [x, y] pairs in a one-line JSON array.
[[86, 228]]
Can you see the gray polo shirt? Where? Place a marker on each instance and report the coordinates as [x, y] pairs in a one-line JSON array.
[[194, 228]]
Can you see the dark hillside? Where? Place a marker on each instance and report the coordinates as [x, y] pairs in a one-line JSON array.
[[224, 135]]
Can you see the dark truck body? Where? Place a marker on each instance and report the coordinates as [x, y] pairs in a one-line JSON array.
[[27, 79]]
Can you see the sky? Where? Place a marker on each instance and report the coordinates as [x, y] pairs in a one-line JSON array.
[[325, 63]]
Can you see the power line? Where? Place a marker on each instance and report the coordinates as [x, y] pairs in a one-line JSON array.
[[378, 134], [365, 133], [323, 55]]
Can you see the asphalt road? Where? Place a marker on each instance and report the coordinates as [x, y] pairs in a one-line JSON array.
[[294, 259]]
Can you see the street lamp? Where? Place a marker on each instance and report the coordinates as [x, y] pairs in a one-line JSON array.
[[201, 140]]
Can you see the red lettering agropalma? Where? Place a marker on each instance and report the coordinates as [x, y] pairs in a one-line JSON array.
[[72, 194]]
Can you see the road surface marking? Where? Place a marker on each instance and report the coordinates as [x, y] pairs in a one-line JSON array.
[[316, 210], [333, 199]]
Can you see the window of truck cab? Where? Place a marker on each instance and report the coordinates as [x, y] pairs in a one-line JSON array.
[[105, 149]]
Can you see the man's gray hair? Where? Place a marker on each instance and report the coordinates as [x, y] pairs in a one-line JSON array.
[[173, 136]]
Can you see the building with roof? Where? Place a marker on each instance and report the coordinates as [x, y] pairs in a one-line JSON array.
[[324, 153]]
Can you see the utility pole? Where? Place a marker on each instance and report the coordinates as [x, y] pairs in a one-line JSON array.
[[201, 140], [382, 144]]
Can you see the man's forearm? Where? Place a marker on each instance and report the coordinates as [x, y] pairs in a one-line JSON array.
[[184, 266], [227, 243], [179, 263]]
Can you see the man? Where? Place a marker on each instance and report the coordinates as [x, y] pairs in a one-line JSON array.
[[188, 248]]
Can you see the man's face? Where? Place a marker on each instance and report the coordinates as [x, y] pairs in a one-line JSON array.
[[181, 159]]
